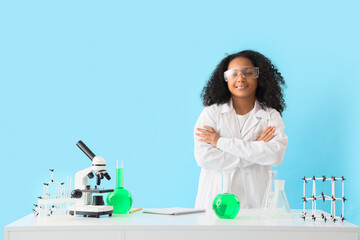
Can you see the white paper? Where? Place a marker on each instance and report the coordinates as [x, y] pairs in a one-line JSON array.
[[172, 211]]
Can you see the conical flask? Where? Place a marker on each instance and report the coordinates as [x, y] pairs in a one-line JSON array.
[[279, 206], [269, 192], [121, 198], [226, 205]]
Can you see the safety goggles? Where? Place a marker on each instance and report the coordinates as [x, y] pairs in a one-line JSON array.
[[245, 71]]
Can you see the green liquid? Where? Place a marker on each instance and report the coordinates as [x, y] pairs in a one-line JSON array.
[[226, 205], [120, 199], [119, 177]]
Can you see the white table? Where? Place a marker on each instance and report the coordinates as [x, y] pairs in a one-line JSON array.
[[248, 225]]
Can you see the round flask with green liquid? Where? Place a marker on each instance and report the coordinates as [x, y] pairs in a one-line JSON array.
[[120, 198], [226, 205]]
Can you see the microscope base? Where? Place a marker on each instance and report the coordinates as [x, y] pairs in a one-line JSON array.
[[93, 211], [92, 214]]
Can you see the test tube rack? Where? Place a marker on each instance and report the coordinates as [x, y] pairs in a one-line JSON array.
[[54, 199], [324, 198]]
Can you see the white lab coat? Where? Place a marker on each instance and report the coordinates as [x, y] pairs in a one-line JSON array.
[[238, 153]]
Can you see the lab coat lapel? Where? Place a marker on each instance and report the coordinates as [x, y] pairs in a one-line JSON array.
[[252, 120], [232, 120], [249, 124], [233, 124], [230, 116]]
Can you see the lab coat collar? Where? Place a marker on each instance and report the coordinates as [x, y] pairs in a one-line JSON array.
[[258, 111]]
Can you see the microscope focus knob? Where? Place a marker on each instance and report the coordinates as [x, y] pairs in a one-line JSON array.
[[76, 193]]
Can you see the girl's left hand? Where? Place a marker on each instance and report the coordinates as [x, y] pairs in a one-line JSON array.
[[208, 135]]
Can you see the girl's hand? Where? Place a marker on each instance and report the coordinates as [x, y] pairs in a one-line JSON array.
[[207, 134], [267, 134]]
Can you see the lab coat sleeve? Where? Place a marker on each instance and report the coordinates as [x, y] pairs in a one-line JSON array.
[[259, 152], [208, 156]]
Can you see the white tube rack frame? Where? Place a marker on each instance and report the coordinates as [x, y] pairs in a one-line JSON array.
[[58, 200], [324, 198]]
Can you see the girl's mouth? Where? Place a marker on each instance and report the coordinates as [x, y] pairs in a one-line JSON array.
[[240, 87]]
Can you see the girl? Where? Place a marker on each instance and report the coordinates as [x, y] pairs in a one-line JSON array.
[[240, 131]]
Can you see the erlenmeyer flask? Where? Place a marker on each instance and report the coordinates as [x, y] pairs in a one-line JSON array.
[[226, 205], [279, 204], [269, 192]]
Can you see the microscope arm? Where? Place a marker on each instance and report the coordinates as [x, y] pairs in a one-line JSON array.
[[81, 178]]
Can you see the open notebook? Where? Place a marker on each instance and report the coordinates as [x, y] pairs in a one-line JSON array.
[[172, 211]]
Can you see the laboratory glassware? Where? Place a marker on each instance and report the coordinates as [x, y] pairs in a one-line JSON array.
[[55, 199], [279, 206], [121, 198], [269, 192], [226, 205]]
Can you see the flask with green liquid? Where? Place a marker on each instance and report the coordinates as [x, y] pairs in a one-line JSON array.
[[120, 199], [226, 205]]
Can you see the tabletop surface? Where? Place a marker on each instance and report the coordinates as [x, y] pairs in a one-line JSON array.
[[248, 219]]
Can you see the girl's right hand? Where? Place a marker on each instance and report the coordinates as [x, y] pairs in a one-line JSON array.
[[267, 134]]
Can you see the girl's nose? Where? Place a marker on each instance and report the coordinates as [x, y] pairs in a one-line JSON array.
[[240, 78]]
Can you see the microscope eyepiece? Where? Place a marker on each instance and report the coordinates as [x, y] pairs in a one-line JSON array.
[[85, 149]]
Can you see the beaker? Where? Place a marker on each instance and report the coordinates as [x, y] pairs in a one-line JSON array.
[[279, 206], [269, 191], [120, 199], [226, 205]]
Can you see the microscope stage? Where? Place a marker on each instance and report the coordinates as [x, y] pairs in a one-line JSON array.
[[98, 190]]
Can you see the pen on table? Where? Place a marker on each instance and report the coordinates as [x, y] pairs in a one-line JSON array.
[[136, 210]]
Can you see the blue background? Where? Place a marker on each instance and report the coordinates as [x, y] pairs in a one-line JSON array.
[[126, 76]]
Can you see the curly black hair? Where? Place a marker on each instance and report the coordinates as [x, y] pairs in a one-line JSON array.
[[269, 91]]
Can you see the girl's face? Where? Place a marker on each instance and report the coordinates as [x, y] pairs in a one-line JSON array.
[[242, 87]]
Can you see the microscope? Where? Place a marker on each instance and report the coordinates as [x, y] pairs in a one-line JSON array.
[[83, 192]]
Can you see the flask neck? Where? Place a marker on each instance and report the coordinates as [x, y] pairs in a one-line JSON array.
[[272, 175], [279, 185], [226, 187], [119, 177]]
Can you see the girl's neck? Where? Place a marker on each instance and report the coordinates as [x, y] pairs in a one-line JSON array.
[[243, 106]]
